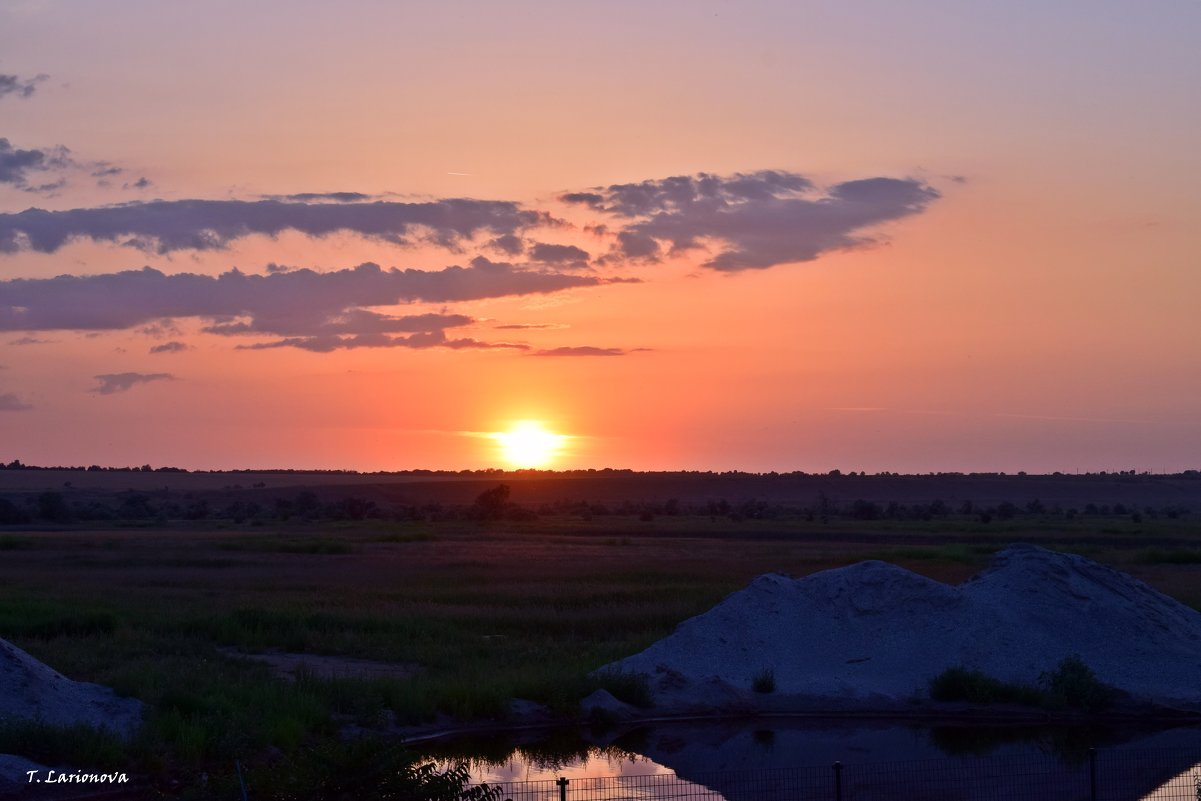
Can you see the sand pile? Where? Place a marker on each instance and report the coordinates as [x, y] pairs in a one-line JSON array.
[[30, 690], [875, 634]]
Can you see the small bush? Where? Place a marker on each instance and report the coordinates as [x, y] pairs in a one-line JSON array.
[[1073, 685], [976, 687], [764, 681]]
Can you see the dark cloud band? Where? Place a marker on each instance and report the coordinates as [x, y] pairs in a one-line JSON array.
[[310, 310], [169, 225], [750, 221]]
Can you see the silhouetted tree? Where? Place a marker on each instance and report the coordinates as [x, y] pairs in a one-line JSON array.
[[490, 504]]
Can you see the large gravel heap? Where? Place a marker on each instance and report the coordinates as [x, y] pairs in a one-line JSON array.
[[31, 690], [875, 633]]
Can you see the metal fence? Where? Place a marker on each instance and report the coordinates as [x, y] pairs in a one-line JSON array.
[[1094, 776]]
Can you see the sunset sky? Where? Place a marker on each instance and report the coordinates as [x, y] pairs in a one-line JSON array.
[[870, 235]]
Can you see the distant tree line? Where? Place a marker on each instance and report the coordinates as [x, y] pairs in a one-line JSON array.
[[496, 504], [17, 464]]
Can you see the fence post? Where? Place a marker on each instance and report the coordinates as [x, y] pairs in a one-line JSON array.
[[562, 782], [837, 781], [1092, 774]]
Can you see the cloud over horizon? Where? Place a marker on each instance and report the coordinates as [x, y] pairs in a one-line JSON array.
[[111, 383], [312, 310], [753, 220], [585, 350]]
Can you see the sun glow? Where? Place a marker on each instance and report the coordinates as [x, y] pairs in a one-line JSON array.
[[528, 444]]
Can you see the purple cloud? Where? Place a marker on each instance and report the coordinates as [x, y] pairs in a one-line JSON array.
[[19, 87], [417, 341], [111, 383], [335, 197], [17, 167], [755, 220], [9, 402], [585, 350], [564, 255], [528, 326], [168, 225], [169, 347], [509, 244], [280, 302]]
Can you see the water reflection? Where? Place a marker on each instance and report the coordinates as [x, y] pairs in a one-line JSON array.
[[761, 760]]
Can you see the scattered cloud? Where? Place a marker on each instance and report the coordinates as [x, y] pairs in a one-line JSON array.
[[169, 225], [349, 321], [9, 402], [314, 310], [333, 197], [111, 383], [17, 86], [30, 341], [585, 350], [421, 340], [17, 167], [169, 347], [509, 244], [563, 255], [752, 220], [528, 326]]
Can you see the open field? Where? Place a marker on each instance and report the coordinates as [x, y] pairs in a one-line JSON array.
[[478, 612]]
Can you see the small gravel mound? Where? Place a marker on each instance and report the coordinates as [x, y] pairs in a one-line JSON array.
[[31, 690], [875, 634]]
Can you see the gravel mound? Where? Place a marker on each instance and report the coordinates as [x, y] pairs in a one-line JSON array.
[[874, 634], [31, 690]]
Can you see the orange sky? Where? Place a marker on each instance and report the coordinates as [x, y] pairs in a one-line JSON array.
[[992, 265]]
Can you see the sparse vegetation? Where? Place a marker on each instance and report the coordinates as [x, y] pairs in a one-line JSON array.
[[632, 688], [513, 607], [976, 687], [764, 681], [1071, 686]]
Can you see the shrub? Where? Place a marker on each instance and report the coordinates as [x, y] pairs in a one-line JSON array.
[[1073, 685], [366, 768], [974, 686], [764, 681]]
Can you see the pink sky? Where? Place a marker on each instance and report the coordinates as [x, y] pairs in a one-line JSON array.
[[871, 236]]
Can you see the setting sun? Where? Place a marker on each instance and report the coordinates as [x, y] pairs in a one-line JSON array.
[[528, 444]]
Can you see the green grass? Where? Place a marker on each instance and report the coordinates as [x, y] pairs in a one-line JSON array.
[[309, 545], [954, 552], [488, 613], [40, 619], [79, 746], [1161, 556], [9, 542]]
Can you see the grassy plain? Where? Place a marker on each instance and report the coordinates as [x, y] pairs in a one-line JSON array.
[[485, 612]]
